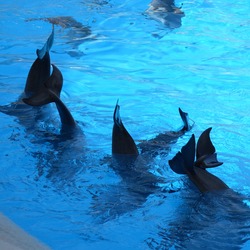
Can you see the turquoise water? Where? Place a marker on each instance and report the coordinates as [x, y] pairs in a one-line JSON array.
[[64, 192]]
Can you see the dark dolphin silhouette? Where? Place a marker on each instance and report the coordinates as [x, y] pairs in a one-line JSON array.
[[38, 74], [184, 163], [51, 93], [166, 12], [41, 88]]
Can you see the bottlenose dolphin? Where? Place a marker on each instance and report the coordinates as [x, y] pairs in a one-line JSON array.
[[38, 74], [166, 12], [184, 163], [51, 93]]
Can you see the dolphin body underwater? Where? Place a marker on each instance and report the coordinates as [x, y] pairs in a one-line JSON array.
[[42, 88], [166, 12], [184, 163], [38, 74]]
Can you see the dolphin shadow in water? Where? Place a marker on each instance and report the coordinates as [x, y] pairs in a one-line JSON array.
[[165, 12], [77, 33]]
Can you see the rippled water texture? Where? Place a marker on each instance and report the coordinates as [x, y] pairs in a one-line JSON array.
[[64, 191]]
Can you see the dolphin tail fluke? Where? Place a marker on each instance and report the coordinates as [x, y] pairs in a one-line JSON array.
[[117, 117], [205, 153], [183, 161], [47, 46], [184, 117], [122, 141], [50, 92]]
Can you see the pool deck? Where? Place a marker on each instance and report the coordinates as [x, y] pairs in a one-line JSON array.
[[12, 237]]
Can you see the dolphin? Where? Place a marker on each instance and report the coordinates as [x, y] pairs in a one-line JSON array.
[[166, 12], [184, 163], [50, 92], [38, 74]]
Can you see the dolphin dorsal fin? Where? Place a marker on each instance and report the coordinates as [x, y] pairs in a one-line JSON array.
[[205, 154], [47, 46], [183, 162]]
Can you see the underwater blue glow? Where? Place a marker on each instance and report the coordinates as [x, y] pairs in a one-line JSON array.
[[64, 192]]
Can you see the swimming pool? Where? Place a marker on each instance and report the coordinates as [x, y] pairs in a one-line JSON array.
[[64, 192]]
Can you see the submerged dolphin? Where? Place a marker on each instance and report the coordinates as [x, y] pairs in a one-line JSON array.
[[184, 163], [166, 12]]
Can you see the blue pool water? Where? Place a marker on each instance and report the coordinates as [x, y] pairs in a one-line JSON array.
[[65, 192]]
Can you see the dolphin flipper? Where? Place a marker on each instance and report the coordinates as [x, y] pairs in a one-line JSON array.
[[205, 154], [47, 46], [184, 117], [183, 161], [122, 142]]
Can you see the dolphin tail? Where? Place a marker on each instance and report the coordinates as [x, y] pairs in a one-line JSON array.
[[184, 117], [47, 46], [205, 153], [50, 92], [183, 161], [122, 141]]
